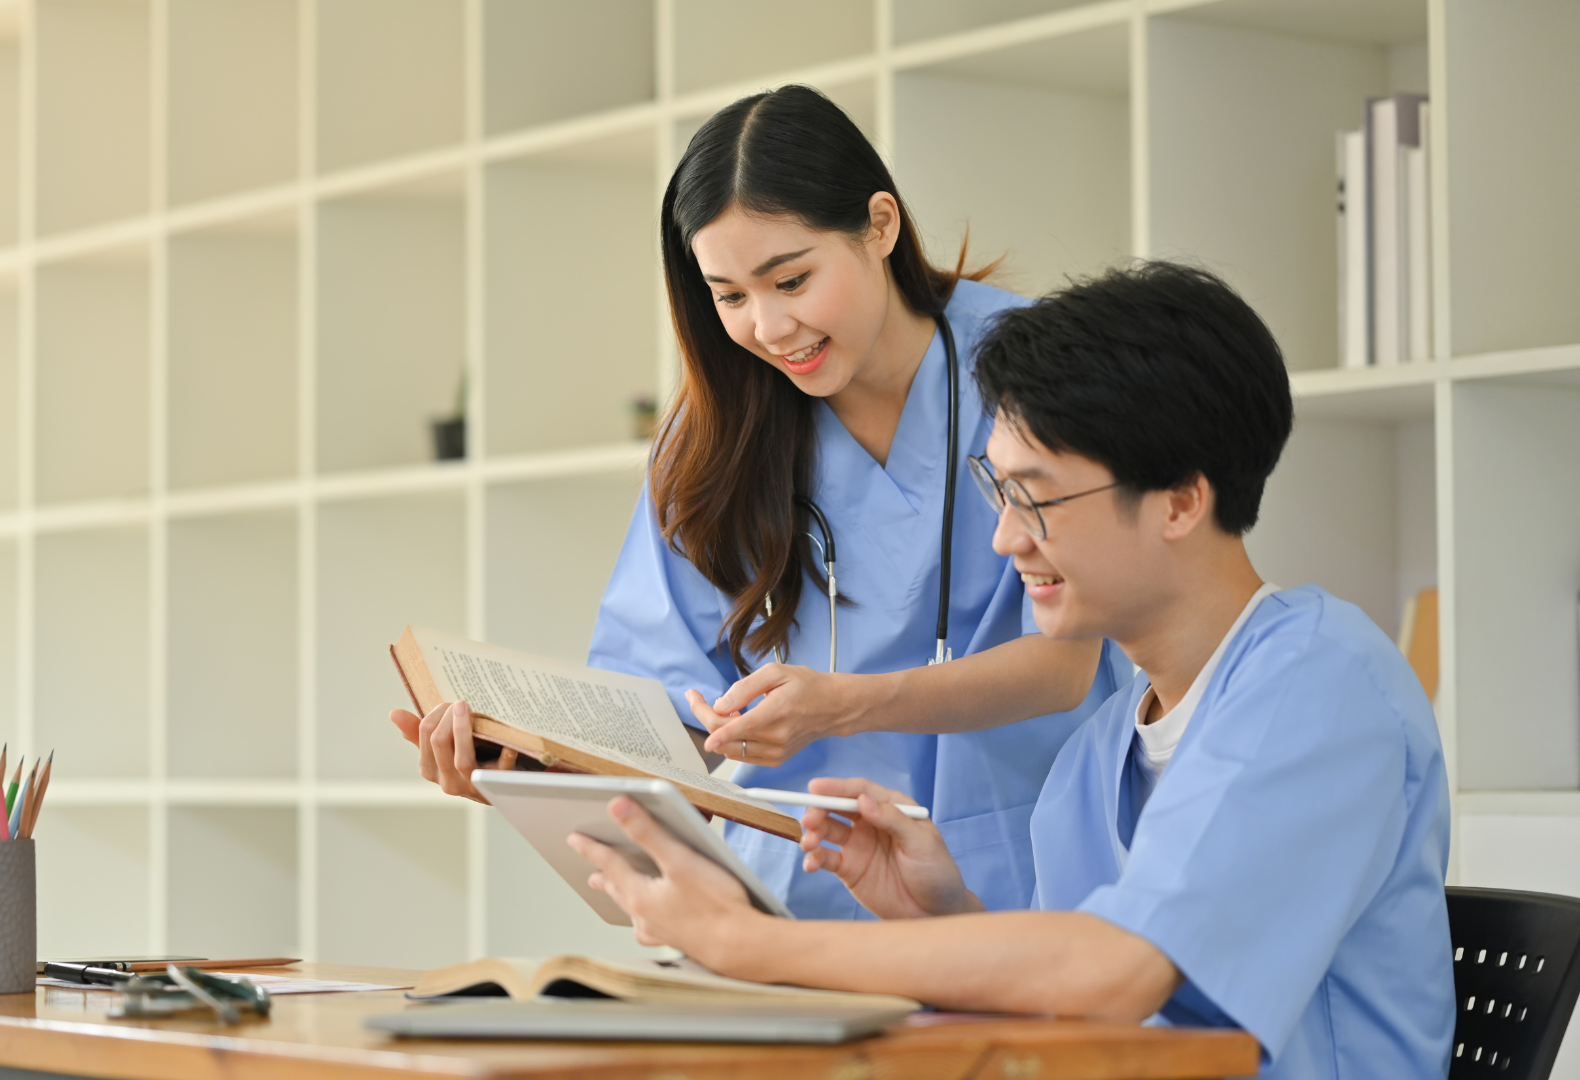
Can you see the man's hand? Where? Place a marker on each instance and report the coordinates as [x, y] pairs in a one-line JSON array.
[[898, 868], [799, 705], [694, 904]]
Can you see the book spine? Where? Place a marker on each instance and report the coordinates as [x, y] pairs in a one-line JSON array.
[[1383, 152], [1418, 199], [1355, 286]]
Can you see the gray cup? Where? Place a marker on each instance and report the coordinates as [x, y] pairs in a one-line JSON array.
[[18, 917]]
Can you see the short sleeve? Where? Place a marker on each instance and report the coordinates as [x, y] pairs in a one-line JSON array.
[[660, 617], [1277, 821]]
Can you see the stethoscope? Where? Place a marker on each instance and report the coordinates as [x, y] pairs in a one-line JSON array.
[[825, 543]]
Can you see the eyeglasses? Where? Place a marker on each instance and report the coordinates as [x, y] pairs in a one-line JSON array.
[[1000, 493]]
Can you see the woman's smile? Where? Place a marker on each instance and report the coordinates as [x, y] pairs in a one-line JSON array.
[[807, 360]]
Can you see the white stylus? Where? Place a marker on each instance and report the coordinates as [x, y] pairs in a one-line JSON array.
[[823, 802]]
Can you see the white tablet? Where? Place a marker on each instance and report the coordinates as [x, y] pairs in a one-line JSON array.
[[547, 807]]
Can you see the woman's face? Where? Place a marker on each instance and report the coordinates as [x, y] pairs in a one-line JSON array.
[[810, 303]]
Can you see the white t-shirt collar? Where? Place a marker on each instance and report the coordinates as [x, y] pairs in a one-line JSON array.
[[1159, 738]]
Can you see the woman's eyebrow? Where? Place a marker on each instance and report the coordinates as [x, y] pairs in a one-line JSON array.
[[777, 260]]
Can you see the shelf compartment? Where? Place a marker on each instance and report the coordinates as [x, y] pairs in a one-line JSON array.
[[916, 20], [545, 62], [392, 887], [1242, 125], [392, 329], [250, 853], [718, 42], [233, 354], [1054, 117], [77, 920], [390, 77], [232, 654], [90, 630], [94, 110], [570, 232], [10, 125], [1513, 149], [232, 96], [532, 911], [551, 546], [8, 640], [382, 563], [92, 380], [1517, 552], [10, 373], [1352, 507]]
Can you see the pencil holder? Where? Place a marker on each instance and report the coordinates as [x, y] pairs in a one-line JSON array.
[[18, 917]]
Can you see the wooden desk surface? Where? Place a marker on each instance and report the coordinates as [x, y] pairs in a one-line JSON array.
[[320, 1037]]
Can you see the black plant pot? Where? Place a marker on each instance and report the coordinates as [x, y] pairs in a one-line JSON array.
[[449, 439]]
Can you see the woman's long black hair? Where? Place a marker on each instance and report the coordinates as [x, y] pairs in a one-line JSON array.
[[738, 444]]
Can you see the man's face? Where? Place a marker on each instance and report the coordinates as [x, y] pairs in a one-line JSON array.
[[1088, 577]]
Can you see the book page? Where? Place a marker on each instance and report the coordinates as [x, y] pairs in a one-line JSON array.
[[605, 712]]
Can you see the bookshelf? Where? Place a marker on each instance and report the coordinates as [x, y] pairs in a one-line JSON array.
[[218, 502]]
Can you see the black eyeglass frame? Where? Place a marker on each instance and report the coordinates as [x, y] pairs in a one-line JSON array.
[[995, 491]]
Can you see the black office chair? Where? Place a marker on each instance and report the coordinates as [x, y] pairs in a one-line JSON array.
[[1516, 977]]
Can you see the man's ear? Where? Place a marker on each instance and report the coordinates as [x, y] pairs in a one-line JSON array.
[[1187, 508]]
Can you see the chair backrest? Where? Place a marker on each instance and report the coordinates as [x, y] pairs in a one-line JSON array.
[[1516, 977]]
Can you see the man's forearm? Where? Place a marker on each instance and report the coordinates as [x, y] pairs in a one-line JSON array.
[[1017, 680], [1036, 962]]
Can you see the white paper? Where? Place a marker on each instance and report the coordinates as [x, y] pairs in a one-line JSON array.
[[275, 984]]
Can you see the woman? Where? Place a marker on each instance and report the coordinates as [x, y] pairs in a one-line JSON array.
[[814, 345]]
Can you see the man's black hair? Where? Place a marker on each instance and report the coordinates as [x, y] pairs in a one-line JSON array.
[[1159, 372]]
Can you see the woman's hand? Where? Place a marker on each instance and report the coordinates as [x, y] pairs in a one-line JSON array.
[[798, 705], [897, 867], [445, 751], [694, 904]]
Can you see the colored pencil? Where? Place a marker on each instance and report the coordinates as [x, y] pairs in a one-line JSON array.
[[16, 807], [10, 793], [38, 798]]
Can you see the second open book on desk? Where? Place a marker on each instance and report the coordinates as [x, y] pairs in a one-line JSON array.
[[642, 981], [574, 719]]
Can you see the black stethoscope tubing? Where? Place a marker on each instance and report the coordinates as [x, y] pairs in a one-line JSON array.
[[946, 543]]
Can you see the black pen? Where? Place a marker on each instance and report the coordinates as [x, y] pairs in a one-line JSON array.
[[86, 973]]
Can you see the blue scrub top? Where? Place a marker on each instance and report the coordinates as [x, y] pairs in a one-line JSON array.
[[661, 618], [1291, 860]]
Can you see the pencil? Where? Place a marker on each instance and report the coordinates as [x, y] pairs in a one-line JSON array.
[[15, 819], [10, 793], [38, 797], [29, 796]]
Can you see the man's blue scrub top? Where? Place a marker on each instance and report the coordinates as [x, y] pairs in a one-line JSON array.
[[661, 618], [1291, 860]]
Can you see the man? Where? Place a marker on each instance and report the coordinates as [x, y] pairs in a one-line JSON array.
[[1254, 833]]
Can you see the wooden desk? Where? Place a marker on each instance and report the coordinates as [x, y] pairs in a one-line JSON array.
[[320, 1037]]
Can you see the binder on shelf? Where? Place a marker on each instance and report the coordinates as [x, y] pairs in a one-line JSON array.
[[1355, 346], [1418, 231], [1392, 125]]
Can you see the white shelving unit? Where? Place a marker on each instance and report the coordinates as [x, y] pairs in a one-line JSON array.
[[250, 247]]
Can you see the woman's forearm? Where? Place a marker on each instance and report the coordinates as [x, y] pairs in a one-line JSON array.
[[1037, 962], [1017, 680]]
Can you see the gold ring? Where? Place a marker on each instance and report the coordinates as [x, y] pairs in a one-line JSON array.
[[743, 749]]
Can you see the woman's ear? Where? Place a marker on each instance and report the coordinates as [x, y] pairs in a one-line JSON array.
[[883, 216]]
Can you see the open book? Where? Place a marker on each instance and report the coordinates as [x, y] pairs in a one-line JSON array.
[[573, 719], [643, 981]]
